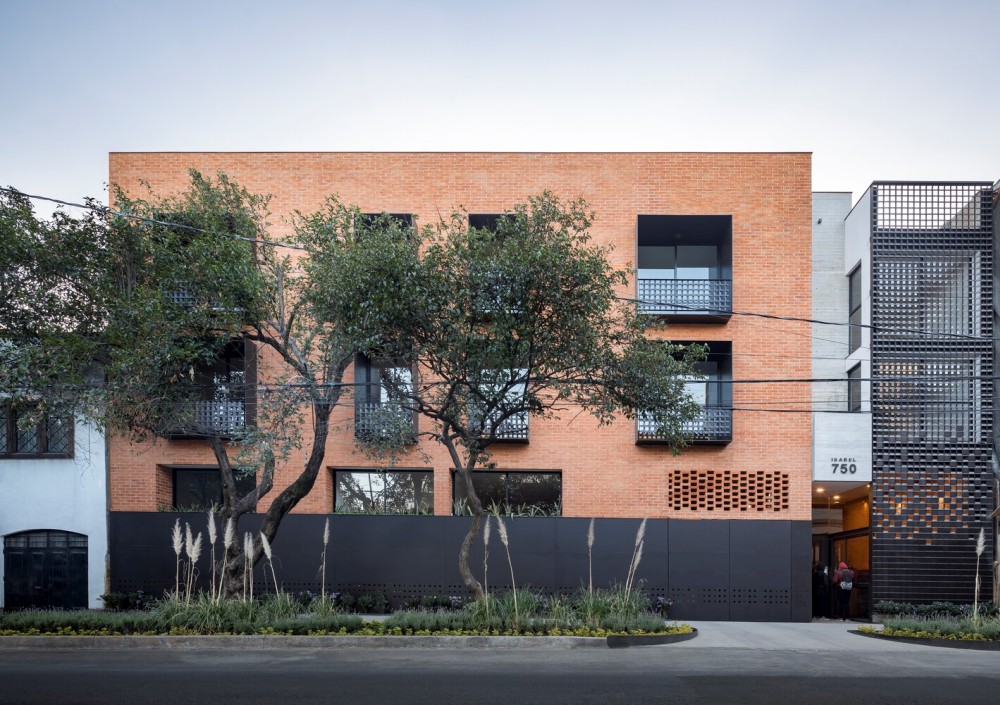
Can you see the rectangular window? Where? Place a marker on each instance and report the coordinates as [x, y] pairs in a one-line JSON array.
[[516, 493], [201, 488], [854, 304], [24, 434], [854, 389], [500, 411], [684, 266], [380, 399], [384, 492]]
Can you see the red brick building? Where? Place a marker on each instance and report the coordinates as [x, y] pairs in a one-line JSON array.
[[727, 231]]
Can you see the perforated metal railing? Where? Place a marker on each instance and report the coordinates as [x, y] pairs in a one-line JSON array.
[[685, 296], [713, 425], [373, 420]]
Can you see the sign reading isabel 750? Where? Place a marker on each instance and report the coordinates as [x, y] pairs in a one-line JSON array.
[[844, 466], [842, 448]]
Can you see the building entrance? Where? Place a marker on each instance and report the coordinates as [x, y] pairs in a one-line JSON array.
[[841, 513], [45, 569]]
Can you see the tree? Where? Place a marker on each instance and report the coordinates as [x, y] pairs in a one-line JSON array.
[[123, 319], [514, 320]]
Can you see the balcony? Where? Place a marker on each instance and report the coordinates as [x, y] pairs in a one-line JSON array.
[[219, 398], [713, 426], [211, 417], [690, 299], [685, 265], [374, 420], [513, 429]]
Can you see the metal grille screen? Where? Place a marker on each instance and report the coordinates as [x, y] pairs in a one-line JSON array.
[[932, 390]]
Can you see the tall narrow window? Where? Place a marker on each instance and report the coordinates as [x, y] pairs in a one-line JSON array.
[[855, 309], [854, 389]]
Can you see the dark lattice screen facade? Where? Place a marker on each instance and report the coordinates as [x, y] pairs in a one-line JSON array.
[[932, 389]]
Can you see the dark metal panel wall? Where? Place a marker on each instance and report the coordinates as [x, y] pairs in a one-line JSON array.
[[932, 394], [739, 570]]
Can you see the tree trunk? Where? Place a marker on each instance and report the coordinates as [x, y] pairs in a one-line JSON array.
[[463, 558], [476, 505], [234, 507]]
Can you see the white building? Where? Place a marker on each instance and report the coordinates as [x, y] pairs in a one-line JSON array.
[[53, 513]]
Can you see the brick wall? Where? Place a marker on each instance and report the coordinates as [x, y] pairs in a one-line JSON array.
[[604, 473]]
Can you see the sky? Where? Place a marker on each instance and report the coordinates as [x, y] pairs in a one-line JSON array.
[[875, 90]]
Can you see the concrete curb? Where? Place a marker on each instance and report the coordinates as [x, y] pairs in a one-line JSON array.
[[943, 643], [260, 641]]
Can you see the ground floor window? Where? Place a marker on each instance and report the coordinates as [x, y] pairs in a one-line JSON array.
[[197, 489], [513, 493], [383, 492], [45, 568]]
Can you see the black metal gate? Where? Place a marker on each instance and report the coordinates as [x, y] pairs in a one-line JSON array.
[[45, 569]]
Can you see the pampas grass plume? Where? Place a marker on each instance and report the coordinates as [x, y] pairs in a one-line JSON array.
[[640, 534], [178, 538], [196, 549], [502, 529], [590, 535], [486, 533], [229, 535], [211, 527], [188, 539], [326, 532], [266, 545], [980, 543]]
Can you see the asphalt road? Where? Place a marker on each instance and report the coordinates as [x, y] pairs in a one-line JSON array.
[[839, 669]]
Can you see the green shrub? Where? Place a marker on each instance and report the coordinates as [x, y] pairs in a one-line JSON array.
[[121, 601]]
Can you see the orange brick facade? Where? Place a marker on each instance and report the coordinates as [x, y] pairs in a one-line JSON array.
[[604, 473]]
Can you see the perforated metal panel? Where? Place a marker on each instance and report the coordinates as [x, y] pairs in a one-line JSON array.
[[932, 390]]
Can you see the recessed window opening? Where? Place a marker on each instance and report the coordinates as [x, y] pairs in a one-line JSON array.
[[513, 493], [854, 308], [854, 389], [383, 492]]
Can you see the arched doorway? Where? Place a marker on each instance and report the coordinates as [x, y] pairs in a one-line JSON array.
[[45, 568]]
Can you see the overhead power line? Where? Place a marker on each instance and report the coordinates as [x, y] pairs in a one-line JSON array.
[[797, 319], [647, 302], [144, 219]]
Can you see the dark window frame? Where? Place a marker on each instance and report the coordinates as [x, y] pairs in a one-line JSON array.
[[854, 388], [9, 451], [175, 469], [381, 471], [458, 493], [854, 309]]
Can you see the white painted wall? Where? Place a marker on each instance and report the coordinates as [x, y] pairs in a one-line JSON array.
[[844, 439], [64, 495]]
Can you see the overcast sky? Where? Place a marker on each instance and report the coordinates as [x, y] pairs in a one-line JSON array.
[[875, 90]]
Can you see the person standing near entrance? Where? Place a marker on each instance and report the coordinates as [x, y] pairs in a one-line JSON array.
[[843, 580]]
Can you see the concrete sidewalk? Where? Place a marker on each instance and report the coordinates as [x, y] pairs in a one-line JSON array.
[[784, 636]]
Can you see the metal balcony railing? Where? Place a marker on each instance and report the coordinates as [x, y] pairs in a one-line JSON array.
[[222, 416], [372, 420], [713, 425], [686, 297], [513, 428], [211, 417]]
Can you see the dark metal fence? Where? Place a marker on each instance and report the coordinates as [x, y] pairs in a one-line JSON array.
[[728, 570]]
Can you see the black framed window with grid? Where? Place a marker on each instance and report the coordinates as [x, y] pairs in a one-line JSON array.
[[24, 433]]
